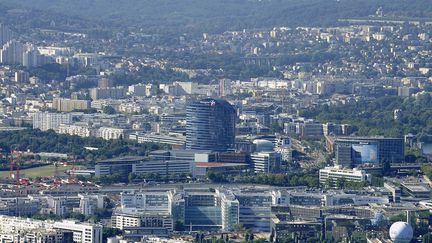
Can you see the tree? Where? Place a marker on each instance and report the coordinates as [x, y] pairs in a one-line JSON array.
[[340, 183], [427, 238], [178, 226], [386, 167], [238, 227], [109, 232], [377, 180], [109, 110]]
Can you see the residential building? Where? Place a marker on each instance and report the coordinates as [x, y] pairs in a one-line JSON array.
[[108, 133], [47, 120], [5, 34], [108, 93], [68, 105], [78, 129], [54, 231], [22, 77]]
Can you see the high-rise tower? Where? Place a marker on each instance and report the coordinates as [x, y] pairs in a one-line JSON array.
[[210, 125]]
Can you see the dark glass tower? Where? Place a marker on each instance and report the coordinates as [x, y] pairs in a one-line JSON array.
[[210, 125]]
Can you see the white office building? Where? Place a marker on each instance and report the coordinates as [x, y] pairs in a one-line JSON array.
[[335, 173], [29, 228], [82, 232], [264, 162]]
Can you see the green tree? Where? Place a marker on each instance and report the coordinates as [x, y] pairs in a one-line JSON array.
[[108, 110], [110, 232], [178, 226], [238, 228]]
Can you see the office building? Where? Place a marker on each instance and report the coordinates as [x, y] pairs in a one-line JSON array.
[[333, 174], [263, 145], [229, 211], [88, 204], [162, 167], [396, 191], [137, 224], [254, 209], [82, 232], [210, 210], [174, 140], [353, 151], [195, 208], [18, 206], [265, 162], [46, 120], [68, 105], [54, 231], [144, 213], [210, 125], [311, 130], [284, 147]]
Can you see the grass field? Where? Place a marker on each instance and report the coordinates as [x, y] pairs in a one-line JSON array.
[[48, 170]]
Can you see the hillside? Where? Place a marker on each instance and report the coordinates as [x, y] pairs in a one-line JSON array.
[[222, 15]]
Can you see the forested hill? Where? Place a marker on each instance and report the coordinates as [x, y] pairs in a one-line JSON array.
[[222, 15]]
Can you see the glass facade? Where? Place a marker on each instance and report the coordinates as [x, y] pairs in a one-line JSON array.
[[358, 150], [365, 153], [210, 125]]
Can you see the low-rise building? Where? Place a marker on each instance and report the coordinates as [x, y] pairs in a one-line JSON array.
[[333, 174]]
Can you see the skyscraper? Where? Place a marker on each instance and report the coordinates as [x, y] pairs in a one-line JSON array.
[[210, 125]]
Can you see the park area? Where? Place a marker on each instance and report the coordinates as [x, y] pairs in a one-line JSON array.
[[42, 171]]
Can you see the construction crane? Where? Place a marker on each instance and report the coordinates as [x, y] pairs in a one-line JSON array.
[[15, 163]]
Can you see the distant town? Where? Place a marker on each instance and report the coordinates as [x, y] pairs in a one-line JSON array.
[[280, 134]]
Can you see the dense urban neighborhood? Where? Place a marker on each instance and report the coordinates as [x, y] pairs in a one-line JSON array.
[[206, 121]]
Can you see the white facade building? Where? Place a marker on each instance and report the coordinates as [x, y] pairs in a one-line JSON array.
[[82, 232], [46, 120], [108, 133], [335, 173], [264, 162], [78, 129]]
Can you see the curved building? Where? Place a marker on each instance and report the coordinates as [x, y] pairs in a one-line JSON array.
[[210, 125]]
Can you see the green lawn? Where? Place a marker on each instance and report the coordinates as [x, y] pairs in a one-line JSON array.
[[48, 170]]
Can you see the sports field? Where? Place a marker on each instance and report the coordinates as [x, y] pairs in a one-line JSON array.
[[48, 170]]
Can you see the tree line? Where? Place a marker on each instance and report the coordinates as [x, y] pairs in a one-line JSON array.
[[49, 141], [376, 117]]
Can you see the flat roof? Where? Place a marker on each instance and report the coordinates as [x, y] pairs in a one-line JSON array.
[[123, 159], [218, 165]]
